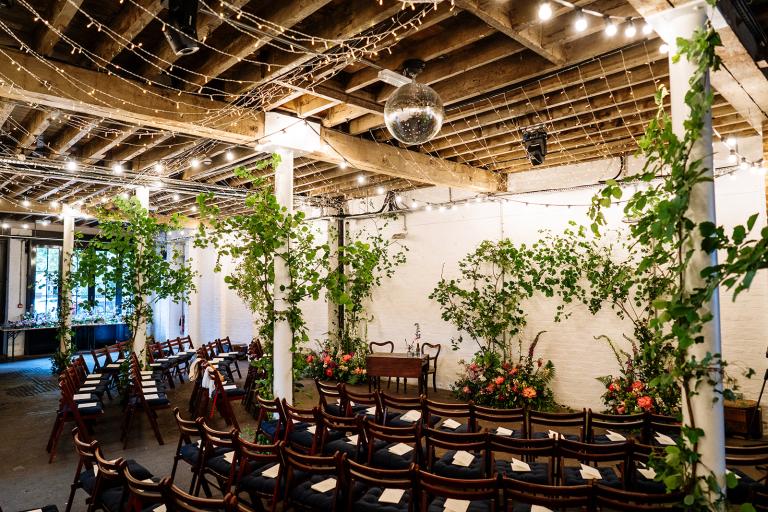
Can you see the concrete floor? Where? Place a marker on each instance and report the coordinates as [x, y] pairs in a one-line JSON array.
[[28, 401]]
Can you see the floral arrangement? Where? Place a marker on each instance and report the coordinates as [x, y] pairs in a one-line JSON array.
[[332, 363], [31, 319], [489, 380], [632, 391]]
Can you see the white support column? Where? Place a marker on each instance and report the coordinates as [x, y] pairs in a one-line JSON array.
[[140, 337], [67, 249], [283, 334], [707, 405]]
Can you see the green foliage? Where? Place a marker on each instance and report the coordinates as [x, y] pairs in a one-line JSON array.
[[332, 363], [129, 257], [365, 263]]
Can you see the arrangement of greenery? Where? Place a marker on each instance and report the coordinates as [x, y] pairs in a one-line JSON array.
[[332, 363], [670, 239], [363, 264], [129, 258], [488, 380], [254, 240]]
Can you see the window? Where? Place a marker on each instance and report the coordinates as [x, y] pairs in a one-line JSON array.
[[46, 272]]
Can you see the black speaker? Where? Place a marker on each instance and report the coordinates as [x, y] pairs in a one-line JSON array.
[[535, 142], [181, 31]]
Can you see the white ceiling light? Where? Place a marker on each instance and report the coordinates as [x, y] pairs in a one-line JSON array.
[[610, 27], [159, 167], [71, 165], [54, 204], [581, 22], [176, 197], [631, 30], [118, 168], [361, 179], [647, 29], [545, 11], [25, 202], [380, 191], [229, 155], [664, 48], [195, 163]]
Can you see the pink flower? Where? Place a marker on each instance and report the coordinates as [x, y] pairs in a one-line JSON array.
[[465, 390], [327, 360], [490, 387], [645, 402], [611, 387], [346, 357], [540, 362], [513, 371], [529, 392], [310, 358], [499, 381], [621, 409]]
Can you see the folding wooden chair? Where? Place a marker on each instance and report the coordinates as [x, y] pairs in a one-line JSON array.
[[438, 492]]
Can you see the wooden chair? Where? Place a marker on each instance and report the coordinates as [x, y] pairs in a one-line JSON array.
[[399, 411], [556, 424], [610, 460], [304, 471], [617, 499], [143, 494], [301, 430], [471, 445], [538, 455], [219, 460], [177, 500], [640, 477], [602, 427], [147, 396], [380, 346], [189, 448], [85, 474], [517, 494], [365, 486], [361, 403], [158, 360], [382, 440], [330, 398], [255, 473], [448, 415], [668, 426], [432, 351], [270, 420], [229, 355], [754, 457], [490, 419], [224, 395], [108, 493], [342, 434], [81, 413], [436, 491]]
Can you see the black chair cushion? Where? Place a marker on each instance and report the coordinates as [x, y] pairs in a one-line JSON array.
[[269, 427], [369, 502], [219, 464], [255, 482], [308, 497], [741, 493], [335, 410], [539, 473], [572, 476], [190, 452], [341, 445], [384, 459], [112, 499], [438, 505], [444, 467]]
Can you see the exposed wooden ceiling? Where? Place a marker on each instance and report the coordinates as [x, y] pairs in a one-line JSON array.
[[96, 82]]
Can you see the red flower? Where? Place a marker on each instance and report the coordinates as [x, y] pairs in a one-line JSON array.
[[513, 371], [611, 387], [645, 402], [529, 392], [346, 357], [329, 372], [466, 390], [540, 362], [637, 386], [499, 381], [490, 387], [327, 360], [310, 358]]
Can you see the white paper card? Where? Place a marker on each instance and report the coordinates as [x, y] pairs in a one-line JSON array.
[[160, 508], [463, 459], [271, 472], [400, 449], [82, 396], [590, 473], [163, 360], [113, 365], [519, 466], [411, 416], [229, 457], [152, 397], [312, 429], [230, 386], [453, 505], [371, 411], [88, 388], [147, 372], [149, 390], [648, 473], [614, 436], [554, 435], [352, 439], [539, 508], [148, 481], [664, 439], [87, 404], [324, 486], [501, 431], [391, 495], [451, 424]]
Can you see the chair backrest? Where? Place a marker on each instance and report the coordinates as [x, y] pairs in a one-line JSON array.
[[329, 394], [464, 441], [352, 398], [348, 425], [660, 424], [359, 475], [409, 435], [225, 407], [628, 425], [110, 474], [461, 412], [490, 418], [332, 466], [188, 429], [559, 497], [255, 349], [751, 456], [381, 346], [434, 486], [98, 353], [176, 499], [539, 421], [269, 410], [618, 499], [401, 404], [432, 350], [594, 454], [86, 451], [296, 416], [141, 493], [258, 455], [526, 450]]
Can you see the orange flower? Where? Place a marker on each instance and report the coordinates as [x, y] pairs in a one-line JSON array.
[[529, 392], [346, 357], [327, 360], [645, 402], [310, 358], [637, 386], [499, 381]]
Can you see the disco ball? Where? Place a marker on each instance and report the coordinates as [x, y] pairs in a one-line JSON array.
[[414, 113]]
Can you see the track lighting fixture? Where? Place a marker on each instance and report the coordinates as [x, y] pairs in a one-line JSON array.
[[535, 142], [181, 31]]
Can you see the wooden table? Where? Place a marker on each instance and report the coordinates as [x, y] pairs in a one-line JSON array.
[[398, 364]]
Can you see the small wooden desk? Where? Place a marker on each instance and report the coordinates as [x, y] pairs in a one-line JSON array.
[[398, 364]]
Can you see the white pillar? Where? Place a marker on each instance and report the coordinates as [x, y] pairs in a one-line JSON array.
[[283, 335], [707, 405], [67, 248], [140, 336]]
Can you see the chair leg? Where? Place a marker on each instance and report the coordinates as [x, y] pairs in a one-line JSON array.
[[152, 415], [56, 437], [71, 498], [434, 381], [53, 432], [237, 367]]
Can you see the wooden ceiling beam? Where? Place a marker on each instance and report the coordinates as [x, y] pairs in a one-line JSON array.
[[131, 151], [371, 190], [6, 109], [129, 22], [164, 154], [159, 110], [33, 126], [70, 136], [98, 148], [58, 18], [309, 105]]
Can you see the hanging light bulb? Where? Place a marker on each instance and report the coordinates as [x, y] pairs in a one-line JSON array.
[[71, 165], [54, 204], [117, 168], [5, 225], [194, 163], [428, 207], [733, 157], [647, 29], [581, 22], [730, 142], [229, 155], [194, 207], [25, 226], [25, 202], [176, 197], [441, 209], [380, 191], [664, 48], [399, 198], [631, 30], [545, 11], [361, 179], [343, 164], [159, 167], [414, 203], [610, 27], [743, 165]]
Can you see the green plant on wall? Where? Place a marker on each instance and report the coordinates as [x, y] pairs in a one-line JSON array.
[[129, 258], [253, 241], [670, 239], [65, 335], [364, 264]]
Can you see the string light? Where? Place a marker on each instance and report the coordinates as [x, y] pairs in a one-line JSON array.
[[118, 168], [380, 191], [581, 21], [176, 197], [631, 30], [54, 204], [229, 155], [159, 167], [545, 11], [343, 164], [361, 179], [194, 163], [610, 27], [71, 165], [647, 29], [25, 203], [664, 48], [730, 142]]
